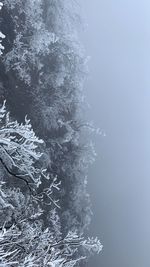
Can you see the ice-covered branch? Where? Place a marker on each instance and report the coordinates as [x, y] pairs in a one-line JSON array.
[[2, 36], [19, 148]]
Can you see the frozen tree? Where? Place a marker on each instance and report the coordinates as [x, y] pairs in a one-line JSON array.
[[24, 240], [42, 74]]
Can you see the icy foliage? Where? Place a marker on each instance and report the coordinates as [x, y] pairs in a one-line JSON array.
[[35, 39], [12, 3]]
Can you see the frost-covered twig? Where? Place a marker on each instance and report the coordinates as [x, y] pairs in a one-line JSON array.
[[2, 36]]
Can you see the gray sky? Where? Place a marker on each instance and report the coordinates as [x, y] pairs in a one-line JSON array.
[[118, 90]]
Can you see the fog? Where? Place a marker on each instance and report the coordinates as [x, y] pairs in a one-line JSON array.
[[118, 90]]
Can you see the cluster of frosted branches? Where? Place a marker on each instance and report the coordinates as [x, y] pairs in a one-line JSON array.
[[19, 155], [18, 148], [26, 245]]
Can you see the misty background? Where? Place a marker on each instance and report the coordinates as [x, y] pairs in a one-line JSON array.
[[118, 90]]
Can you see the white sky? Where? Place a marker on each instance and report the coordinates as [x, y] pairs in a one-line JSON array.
[[118, 90]]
